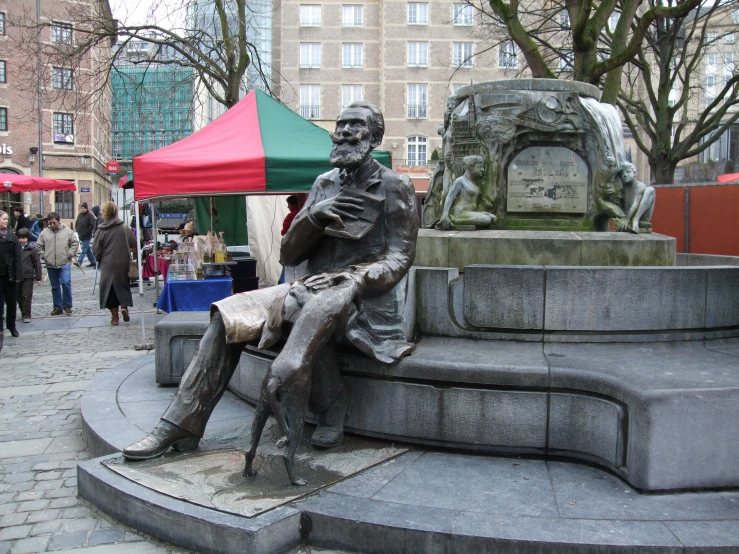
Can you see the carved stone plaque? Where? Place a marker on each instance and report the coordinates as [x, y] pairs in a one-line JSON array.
[[549, 179]]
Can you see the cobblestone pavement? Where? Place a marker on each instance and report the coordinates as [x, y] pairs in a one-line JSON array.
[[43, 375]]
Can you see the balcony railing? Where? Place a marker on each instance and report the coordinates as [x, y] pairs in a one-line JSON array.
[[310, 111], [417, 111]]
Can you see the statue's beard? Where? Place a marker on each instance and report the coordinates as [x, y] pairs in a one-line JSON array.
[[346, 154]]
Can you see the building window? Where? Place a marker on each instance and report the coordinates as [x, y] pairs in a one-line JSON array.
[[725, 148], [349, 94], [351, 55], [3, 119], [710, 37], [416, 151], [730, 38], [462, 54], [64, 204], [61, 33], [353, 16], [710, 81], [418, 54], [564, 19], [418, 13], [567, 61], [711, 59], [2, 23], [508, 55], [310, 101], [418, 97], [463, 14], [3, 74], [310, 15], [310, 54], [61, 78], [63, 128]]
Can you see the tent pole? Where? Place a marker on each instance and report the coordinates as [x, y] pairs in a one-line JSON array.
[[211, 214], [141, 278], [156, 254]]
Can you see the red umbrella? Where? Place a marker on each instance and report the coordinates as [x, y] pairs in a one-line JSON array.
[[26, 183], [728, 178]]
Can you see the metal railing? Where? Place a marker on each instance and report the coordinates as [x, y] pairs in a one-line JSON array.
[[410, 162], [417, 111], [310, 111]]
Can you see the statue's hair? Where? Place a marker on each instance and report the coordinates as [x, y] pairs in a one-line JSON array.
[[628, 165], [376, 121], [469, 161]]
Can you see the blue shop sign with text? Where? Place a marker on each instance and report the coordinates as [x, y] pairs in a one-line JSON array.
[[84, 189]]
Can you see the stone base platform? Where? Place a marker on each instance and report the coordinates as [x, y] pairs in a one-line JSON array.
[[421, 501], [458, 249]]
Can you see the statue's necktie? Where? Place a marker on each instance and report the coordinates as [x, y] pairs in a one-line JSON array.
[[346, 179]]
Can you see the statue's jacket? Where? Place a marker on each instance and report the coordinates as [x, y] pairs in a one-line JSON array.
[[386, 254]]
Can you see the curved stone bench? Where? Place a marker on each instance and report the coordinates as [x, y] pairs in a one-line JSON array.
[[635, 369]]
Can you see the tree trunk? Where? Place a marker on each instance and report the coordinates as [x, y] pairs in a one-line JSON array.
[[663, 170]]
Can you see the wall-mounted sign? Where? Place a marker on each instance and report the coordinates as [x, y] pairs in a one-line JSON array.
[[112, 167], [6, 150], [84, 189]]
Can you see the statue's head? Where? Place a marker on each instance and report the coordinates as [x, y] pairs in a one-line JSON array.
[[475, 165], [628, 172], [359, 129]]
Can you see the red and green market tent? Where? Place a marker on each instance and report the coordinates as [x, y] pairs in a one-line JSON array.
[[258, 146]]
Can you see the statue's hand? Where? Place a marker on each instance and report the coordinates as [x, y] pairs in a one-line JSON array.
[[620, 224], [323, 281], [337, 209]]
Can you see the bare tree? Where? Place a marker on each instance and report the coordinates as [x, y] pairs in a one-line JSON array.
[[594, 39], [219, 40], [681, 92]]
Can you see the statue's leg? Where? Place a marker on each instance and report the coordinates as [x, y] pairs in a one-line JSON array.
[[261, 415], [315, 328], [646, 206], [200, 389], [478, 219], [205, 380]]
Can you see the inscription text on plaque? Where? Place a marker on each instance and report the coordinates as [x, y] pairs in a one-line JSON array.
[[548, 179]]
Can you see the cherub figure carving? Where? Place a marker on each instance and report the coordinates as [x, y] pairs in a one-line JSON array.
[[462, 205]]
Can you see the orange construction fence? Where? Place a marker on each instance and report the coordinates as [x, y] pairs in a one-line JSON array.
[[703, 217]]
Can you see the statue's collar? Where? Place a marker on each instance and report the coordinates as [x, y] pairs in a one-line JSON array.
[[362, 177]]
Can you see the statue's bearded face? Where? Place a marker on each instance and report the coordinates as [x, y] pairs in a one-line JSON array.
[[352, 139]]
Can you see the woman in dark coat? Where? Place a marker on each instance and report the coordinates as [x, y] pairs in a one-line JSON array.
[[11, 273], [112, 250]]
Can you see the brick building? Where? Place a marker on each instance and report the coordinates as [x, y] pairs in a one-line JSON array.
[[75, 131]]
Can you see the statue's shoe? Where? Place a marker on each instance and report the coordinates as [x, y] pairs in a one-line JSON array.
[[330, 429], [164, 436]]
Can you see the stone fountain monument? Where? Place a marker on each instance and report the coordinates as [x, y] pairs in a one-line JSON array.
[[539, 332]]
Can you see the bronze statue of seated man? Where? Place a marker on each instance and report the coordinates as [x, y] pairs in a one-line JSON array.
[[357, 232], [462, 204]]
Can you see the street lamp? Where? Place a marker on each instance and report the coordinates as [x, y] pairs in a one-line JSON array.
[[32, 153]]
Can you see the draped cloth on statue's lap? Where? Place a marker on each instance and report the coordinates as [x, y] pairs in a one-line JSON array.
[[374, 324]]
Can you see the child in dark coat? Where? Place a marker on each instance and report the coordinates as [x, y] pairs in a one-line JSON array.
[[31, 273]]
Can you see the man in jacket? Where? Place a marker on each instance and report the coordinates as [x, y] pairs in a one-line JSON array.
[[22, 221], [357, 232], [85, 226], [57, 246]]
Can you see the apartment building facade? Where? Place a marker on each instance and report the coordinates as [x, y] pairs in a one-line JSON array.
[[75, 120], [406, 57]]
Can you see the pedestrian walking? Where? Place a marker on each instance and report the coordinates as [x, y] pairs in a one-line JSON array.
[[31, 272], [57, 246], [85, 226], [38, 226], [11, 273], [112, 248], [22, 221]]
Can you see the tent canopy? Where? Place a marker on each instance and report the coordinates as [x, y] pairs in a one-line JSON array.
[[728, 178], [258, 146], [12, 182]]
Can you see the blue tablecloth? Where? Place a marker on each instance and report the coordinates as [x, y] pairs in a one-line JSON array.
[[193, 296]]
